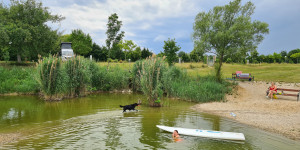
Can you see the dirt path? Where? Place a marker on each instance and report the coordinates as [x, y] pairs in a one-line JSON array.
[[251, 107]]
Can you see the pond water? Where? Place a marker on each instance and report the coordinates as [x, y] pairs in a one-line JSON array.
[[97, 122]]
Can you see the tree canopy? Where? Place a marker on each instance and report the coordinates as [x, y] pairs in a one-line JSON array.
[[228, 30], [114, 35], [81, 42], [26, 34], [170, 50]]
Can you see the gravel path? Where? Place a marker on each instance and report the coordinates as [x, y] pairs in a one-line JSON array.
[[251, 107]]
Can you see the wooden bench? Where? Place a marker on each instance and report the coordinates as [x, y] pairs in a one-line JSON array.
[[240, 75], [287, 94], [290, 90]]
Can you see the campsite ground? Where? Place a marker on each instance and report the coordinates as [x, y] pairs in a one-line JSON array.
[[249, 103]]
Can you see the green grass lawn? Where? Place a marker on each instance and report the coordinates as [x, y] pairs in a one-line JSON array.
[[261, 72]]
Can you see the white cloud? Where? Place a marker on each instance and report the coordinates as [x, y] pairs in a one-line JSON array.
[[142, 14], [160, 38]]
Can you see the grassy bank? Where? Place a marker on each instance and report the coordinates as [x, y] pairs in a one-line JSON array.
[[262, 72], [55, 80], [18, 80]]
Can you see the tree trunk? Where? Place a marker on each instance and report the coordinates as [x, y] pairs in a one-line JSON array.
[[218, 73], [19, 58]]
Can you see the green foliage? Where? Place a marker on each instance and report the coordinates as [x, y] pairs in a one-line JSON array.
[[51, 78], [145, 53], [217, 30], [81, 42], [24, 22], [176, 83], [296, 55], [99, 53], [113, 35], [170, 49], [78, 76], [18, 80], [149, 73]]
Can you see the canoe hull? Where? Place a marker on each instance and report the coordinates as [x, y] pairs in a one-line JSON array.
[[205, 133]]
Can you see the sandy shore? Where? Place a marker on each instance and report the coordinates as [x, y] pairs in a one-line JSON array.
[[248, 101]]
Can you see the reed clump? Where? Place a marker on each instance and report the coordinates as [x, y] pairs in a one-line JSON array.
[[51, 78], [148, 74], [78, 75]]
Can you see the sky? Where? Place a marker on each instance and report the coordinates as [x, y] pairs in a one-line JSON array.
[[151, 22]]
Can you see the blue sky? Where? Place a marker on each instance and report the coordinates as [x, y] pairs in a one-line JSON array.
[[151, 22]]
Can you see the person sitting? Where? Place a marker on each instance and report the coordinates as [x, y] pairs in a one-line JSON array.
[[272, 90]]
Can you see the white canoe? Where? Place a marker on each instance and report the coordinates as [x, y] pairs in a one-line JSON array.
[[205, 133]]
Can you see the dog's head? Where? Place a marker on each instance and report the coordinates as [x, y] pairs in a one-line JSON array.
[[135, 104]]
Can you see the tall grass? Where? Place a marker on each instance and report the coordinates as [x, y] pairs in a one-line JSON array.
[[78, 75], [149, 74], [18, 80], [51, 78], [107, 79], [201, 89]]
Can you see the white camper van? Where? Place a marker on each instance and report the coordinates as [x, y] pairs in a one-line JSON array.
[[66, 50]]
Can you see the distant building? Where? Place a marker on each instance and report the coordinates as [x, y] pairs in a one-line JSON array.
[[66, 50]]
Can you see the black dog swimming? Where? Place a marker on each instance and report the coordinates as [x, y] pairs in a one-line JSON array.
[[129, 107]]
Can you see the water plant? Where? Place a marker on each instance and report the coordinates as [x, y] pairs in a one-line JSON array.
[[78, 76], [149, 73]]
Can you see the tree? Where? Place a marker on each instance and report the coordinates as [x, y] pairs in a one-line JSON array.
[[296, 55], [25, 24], [99, 53], [254, 56], [81, 42], [277, 57], [228, 30], [145, 53], [128, 46], [170, 49], [293, 52], [113, 35], [184, 56]]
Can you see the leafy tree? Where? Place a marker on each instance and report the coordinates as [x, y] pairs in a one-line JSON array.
[[296, 55], [113, 35], [136, 54], [184, 56], [293, 52], [99, 53], [25, 24], [81, 42], [277, 57], [283, 53], [128, 46], [254, 56], [145, 53], [170, 49], [161, 54], [196, 55], [228, 30]]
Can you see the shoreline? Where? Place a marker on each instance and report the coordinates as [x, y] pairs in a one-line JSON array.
[[251, 107]]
